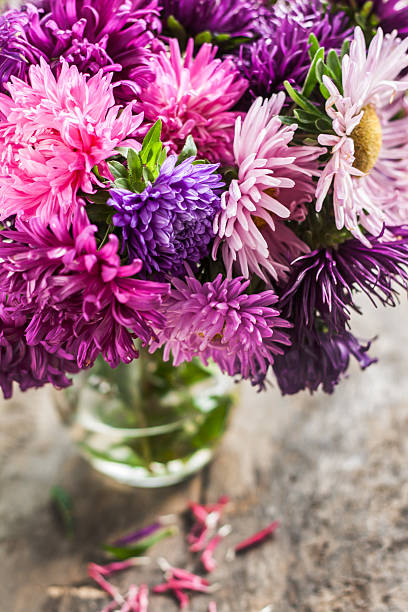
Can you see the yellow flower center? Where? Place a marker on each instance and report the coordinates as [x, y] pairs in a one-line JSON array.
[[367, 137], [259, 222]]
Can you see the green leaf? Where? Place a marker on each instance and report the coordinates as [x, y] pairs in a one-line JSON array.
[[324, 126], [133, 161], [311, 79], [334, 65], [177, 30], [345, 48], [304, 117], [189, 149], [152, 136], [63, 506], [123, 151], [314, 46], [125, 552], [122, 183], [118, 170], [222, 38], [300, 100], [203, 37]]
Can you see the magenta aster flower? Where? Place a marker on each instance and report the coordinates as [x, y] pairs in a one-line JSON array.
[[115, 36], [53, 133], [217, 320], [29, 366], [77, 296], [369, 150], [274, 181], [194, 96]]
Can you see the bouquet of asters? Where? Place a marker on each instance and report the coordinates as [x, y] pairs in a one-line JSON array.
[[209, 178]]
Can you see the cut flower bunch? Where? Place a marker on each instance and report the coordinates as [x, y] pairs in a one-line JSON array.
[[211, 179]]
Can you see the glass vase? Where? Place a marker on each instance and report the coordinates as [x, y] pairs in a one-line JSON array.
[[147, 423]]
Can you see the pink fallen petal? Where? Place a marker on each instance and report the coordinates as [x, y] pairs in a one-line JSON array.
[[94, 573], [257, 538], [212, 606]]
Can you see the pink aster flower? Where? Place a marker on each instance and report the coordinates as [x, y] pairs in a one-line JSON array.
[[274, 182], [217, 320], [193, 96], [369, 150], [54, 131]]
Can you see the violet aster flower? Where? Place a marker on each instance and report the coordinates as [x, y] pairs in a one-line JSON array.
[[322, 283], [29, 366], [233, 17], [16, 53], [389, 14], [218, 320], [116, 36], [318, 301], [319, 360], [78, 297], [282, 52], [170, 221]]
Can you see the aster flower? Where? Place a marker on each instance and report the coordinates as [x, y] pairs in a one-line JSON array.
[[29, 366], [273, 180], [322, 283], [369, 150], [233, 17], [389, 14], [319, 360], [194, 96], [77, 297], [282, 52], [53, 133], [218, 320], [115, 36], [16, 53], [170, 221]]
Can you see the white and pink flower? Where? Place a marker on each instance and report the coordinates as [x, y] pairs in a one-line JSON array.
[[369, 150], [274, 182]]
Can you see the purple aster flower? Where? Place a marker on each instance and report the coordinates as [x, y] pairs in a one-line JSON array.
[[77, 297], [319, 299], [217, 320], [282, 52], [234, 17], [116, 36], [390, 14], [171, 221], [318, 360], [29, 366], [16, 53], [322, 282]]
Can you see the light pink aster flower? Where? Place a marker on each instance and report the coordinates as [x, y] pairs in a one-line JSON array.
[[369, 150], [54, 131], [193, 95], [274, 182]]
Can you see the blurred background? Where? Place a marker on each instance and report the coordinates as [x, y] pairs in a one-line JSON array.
[[332, 469]]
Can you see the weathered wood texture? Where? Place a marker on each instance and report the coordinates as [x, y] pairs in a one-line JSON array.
[[334, 470]]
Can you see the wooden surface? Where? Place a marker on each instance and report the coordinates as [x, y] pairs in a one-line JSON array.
[[333, 470]]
